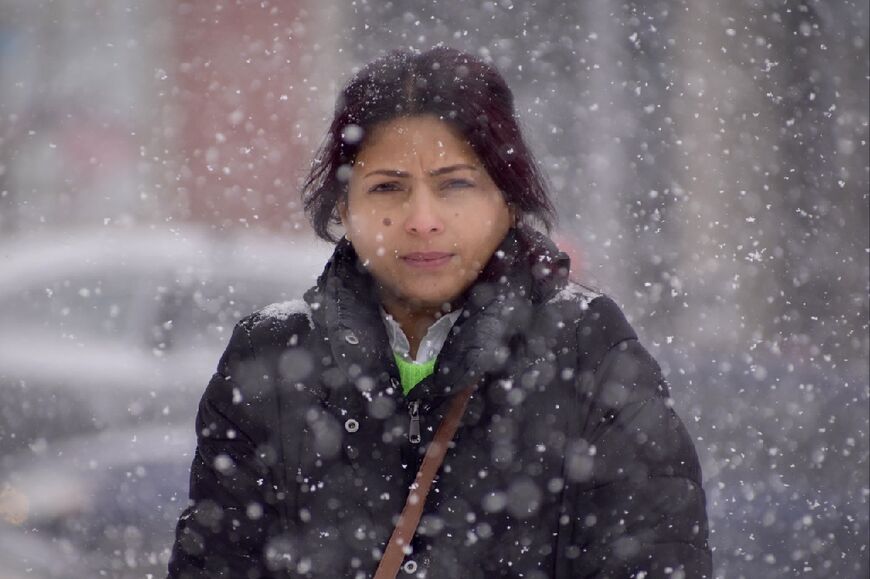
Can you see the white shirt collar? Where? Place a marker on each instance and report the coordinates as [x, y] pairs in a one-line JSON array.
[[431, 344]]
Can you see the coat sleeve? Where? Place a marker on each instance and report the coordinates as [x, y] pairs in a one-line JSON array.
[[637, 505], [223, 532]]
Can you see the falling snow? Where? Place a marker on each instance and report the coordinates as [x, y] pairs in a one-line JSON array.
[[709, 165]]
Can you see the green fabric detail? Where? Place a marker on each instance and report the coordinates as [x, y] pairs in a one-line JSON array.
[[412, 373]]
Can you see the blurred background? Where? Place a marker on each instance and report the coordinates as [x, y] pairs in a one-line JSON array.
[[709, 162]]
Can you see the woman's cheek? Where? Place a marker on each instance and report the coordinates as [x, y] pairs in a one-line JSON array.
[[462, 265], [365, 229]]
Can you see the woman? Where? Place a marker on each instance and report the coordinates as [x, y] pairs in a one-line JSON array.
[[567, 460]]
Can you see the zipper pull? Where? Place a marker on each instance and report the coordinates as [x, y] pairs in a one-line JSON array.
[[414, 431]]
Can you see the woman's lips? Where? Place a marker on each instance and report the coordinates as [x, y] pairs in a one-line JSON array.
[[427, 260]]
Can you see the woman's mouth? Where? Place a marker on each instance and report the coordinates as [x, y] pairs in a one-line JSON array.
[[427, 260]]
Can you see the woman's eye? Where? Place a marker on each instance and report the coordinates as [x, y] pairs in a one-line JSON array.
[[393, 186], [460, 183], [384, 187]]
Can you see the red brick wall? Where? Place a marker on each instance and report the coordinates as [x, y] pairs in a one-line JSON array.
[[239, 92]]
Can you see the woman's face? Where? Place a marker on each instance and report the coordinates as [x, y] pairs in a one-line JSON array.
[[422, 213]]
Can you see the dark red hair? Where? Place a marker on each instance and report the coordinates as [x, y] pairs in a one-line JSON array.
[[460, 89]]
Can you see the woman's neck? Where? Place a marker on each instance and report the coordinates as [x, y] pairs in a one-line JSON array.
[[414, 321]]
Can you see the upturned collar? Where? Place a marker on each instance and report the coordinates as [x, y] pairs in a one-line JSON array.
[[526, 268]]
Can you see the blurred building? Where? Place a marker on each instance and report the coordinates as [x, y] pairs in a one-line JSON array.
[[252, 87], [76, 104], [132, 111]]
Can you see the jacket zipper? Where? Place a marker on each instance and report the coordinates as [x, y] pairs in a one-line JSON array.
[[414, 429]]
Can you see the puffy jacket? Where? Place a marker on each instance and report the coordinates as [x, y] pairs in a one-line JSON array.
[[569, 462]]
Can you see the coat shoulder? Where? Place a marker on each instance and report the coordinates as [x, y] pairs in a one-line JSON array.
[[573, 300], [599, 322], [605, 322], [279, 322], [291, 311], [577, 293]]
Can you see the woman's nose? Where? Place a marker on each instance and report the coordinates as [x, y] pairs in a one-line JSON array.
[[423, 217]]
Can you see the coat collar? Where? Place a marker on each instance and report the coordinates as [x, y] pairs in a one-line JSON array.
[[526, 268]]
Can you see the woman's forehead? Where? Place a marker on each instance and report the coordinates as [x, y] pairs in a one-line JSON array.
[[416, 140]]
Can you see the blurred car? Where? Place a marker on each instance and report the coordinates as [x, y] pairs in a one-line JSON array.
[[108, 328], [98, 505], [108, 339]]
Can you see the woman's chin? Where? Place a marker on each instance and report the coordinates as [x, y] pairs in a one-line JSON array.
[[429, 298]]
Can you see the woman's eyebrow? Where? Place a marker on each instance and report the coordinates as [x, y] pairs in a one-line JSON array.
[[432, 173]]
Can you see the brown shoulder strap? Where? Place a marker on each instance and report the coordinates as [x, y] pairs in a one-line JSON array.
[[410, 517]]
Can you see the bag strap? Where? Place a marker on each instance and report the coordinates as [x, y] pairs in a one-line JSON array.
[[410, 517]]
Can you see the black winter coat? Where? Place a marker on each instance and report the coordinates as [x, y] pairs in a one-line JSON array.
[[569, 462]]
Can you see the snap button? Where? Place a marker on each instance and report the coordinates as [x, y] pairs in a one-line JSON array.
[[351, 425], [410, 566], [351, 339]]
